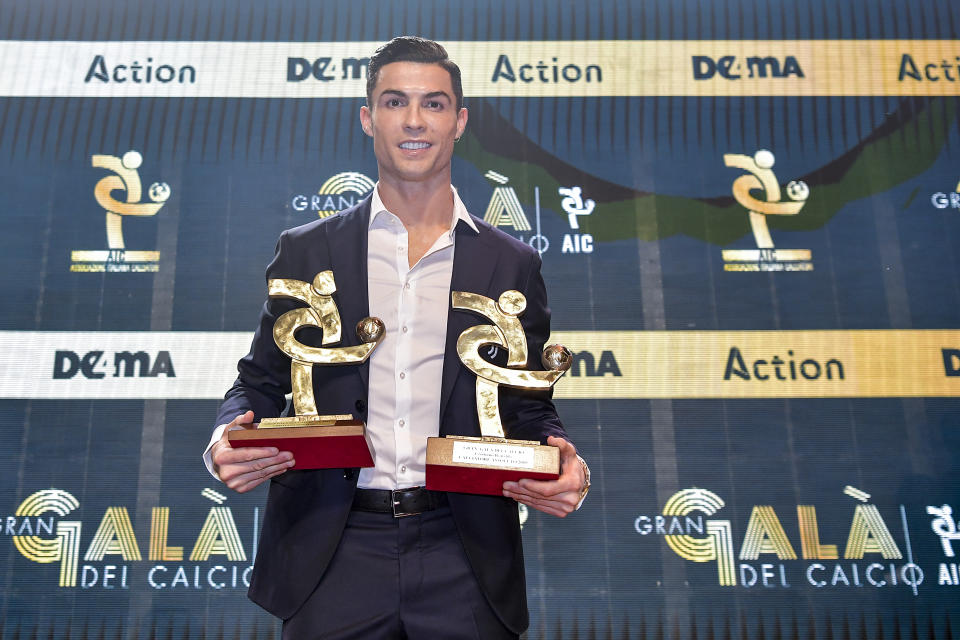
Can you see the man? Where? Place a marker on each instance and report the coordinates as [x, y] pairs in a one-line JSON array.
[[333, 561]]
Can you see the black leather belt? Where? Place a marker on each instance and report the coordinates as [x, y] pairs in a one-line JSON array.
[[399, 502]]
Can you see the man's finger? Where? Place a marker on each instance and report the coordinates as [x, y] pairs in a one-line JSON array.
[[253, 484], [562, 503], [250, 481], [546, 508], [567, 504], [259, 465], [546, 487], [233, 473], [246, 454], [567, 450], [240, 420]]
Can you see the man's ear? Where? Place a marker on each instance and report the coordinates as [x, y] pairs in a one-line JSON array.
[[462, 117], [366, 120]]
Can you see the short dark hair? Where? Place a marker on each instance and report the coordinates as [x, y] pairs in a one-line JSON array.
[[413, 49]]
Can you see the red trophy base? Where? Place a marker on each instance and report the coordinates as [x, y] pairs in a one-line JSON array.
[[482, 465], [316, 442]]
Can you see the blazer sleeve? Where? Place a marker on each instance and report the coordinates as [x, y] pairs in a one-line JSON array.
[[531, 415]]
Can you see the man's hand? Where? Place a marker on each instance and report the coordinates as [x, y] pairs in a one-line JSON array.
[[556, 497], [244, 468]]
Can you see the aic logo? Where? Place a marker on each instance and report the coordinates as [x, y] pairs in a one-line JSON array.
[[126, 178], [575, 206], [705, 67], [339, 192], [762, 177], [945, 527], [40, 535], [688, 528]]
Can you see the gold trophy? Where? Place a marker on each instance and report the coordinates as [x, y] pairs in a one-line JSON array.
[[481, 465], [316, 441]]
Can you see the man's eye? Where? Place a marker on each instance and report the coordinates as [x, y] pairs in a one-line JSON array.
[[433, 104], [393, 102]]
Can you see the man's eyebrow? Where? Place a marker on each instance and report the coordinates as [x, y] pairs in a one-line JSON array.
[[433, 94], [438, 94], [393, 92]]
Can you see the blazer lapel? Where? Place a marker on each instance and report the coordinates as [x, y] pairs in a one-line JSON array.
[[347, 246], [474, 262]]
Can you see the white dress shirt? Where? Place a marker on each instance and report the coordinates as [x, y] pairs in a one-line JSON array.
[[403, 405], [407, 368]]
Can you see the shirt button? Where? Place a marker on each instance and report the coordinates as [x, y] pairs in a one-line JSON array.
[[401, 422], [402, 375], [403, 468], [404, 329], [406, 286]]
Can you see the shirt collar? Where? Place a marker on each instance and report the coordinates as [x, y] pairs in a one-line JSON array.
[[459, 210]]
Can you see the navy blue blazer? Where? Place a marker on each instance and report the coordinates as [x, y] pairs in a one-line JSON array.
[[306, 510]]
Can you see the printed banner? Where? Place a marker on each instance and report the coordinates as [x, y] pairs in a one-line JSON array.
[[547, 68]]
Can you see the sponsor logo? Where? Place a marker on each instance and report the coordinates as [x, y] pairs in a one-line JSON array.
[[945, 527], [776, 368], [545, 73], [588, 364], [339, 192], [732, 68], [691, 525], [761, 177], [951, 362], [96, 365], [120, 364], [42, 533], [325, 69], [575, 206], [504, 210], [949, 200], [945, 70], [137, 73], [125, 178]]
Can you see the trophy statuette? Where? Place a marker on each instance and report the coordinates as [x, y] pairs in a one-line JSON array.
[[482, 464], [316, 441]]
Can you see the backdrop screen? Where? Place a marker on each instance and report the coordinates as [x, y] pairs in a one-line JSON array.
[[748, 214]]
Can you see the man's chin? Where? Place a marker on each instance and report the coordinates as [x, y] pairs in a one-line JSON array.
[[423, 173]]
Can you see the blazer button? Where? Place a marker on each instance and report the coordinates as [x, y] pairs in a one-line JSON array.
[[361, 406], [348, 474]]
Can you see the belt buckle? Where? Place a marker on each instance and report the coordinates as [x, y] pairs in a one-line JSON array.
[[395, 503]]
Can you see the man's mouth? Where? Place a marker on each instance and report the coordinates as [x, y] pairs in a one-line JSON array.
[[414, 145]]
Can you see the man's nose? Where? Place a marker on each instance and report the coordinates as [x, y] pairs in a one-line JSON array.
[[413, 117]]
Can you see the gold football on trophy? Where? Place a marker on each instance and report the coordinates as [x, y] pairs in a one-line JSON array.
[[556, 357], [370, 329]]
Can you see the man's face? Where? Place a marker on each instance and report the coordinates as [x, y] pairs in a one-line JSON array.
[[413, 121]]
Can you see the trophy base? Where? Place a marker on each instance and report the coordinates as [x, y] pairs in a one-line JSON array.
[[481, 465], [316, 442]]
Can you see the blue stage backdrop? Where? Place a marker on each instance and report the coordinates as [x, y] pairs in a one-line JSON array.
[[749, 218]]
